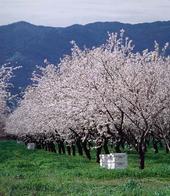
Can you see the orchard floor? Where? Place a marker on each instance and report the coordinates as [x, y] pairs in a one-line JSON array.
[[34, 173]]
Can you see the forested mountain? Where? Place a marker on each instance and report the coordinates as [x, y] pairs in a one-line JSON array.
[[28, 45]]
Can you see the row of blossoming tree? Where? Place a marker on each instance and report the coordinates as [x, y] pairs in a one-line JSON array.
[[5, 75], [98, 97]]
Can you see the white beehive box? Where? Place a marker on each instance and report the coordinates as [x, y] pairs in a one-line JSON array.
[[31, 146], [19, 142], [114, 161]]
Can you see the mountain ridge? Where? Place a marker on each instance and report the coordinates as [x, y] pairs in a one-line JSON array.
[[87, 24], [26, 44]]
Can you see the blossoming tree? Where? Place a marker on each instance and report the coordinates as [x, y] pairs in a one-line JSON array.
[[5, 75], [99, 96]]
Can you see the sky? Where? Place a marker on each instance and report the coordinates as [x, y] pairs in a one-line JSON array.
[[61, 13]]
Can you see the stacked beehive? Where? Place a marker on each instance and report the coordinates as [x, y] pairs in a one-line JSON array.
[[114, 161], [31, 146]]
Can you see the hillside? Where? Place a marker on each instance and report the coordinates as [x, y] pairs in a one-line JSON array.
[[28, 45]]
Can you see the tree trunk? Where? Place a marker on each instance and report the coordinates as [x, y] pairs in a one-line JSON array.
[[86, 150], [167, 146], [38, 145], [141, 156], [167, 149], [161, 144], [79, 147], [73, 150], [49, 147], [68, 150], [46, 148], [123, 144], [145, 148], [98, 152], [106, 147], [53, 147], [61, 147], [117, 147], [155, 146]]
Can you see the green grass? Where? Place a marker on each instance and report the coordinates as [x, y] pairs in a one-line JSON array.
[[24, 172]]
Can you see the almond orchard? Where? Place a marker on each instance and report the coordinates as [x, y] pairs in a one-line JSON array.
[[100, 98]]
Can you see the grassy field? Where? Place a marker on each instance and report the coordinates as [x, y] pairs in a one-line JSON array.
[[24, 172]]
